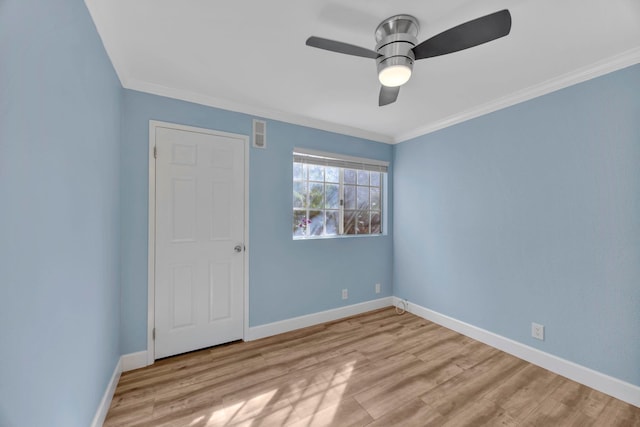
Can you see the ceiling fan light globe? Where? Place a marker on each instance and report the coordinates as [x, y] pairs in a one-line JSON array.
[[394, 75]]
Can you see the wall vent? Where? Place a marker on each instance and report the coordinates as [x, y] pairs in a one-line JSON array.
[[259, 133]]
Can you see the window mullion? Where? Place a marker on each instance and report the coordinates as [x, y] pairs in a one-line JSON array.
[[381, 203], [324, 209], [324, 202], [341, 195], [369, 210], [306, 178]]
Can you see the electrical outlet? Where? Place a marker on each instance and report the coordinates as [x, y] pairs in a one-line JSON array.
[[377, 288], [345, 293], [537, 331]]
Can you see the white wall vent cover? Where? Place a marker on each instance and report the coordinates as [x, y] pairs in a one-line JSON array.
[[259, 133]]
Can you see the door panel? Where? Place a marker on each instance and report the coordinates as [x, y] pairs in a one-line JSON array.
[[221, 287], [183, 219], [221, 209], [200, 197], [182, 293]]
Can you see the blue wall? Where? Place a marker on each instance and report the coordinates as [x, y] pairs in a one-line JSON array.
[[60, 106], [286, 278], [528, 214], [532, 214]]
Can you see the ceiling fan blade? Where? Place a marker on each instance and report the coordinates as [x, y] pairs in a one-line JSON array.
[[340, 47], [388, 95], [464, 36]]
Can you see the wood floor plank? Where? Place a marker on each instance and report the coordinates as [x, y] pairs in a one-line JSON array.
[[347, 412], [453, 395], [340, 367], [415, 413], [521, 394], [618, 414], [382, 399], [582, 398], [481, 412], [127, 415], [406, 384], [318, 397], [379, 373], [551, 412], [374, 369]]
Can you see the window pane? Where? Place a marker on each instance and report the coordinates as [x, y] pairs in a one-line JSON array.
[[349, 222], [300, 194], [349, 176], [363, 198], [297, 171], [363, 177], [316, 195], [332, 223], [375, 179], [376, 226], [317, 223], [299, 223], [332, 174], [325, 195], [316, 173], [332, 194], [362, 222], [349, 197], [375, 199]]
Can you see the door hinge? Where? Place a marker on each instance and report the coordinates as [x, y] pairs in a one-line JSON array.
[[155, 152], [153, 333]]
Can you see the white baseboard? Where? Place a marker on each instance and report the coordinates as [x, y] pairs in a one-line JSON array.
[[127, 362], [619, 389], [103, 408], [275, 328], [133, 361]]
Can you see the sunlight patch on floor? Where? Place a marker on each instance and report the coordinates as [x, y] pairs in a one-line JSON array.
[[304, 402], [243, 410], [196, 421], [327, 394]]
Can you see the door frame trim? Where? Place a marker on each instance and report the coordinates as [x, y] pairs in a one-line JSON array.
[[151, 246]]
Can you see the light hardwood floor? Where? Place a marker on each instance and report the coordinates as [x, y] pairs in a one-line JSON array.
[[374, 369]]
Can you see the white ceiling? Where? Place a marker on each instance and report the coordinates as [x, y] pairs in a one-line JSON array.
[[250, 56]]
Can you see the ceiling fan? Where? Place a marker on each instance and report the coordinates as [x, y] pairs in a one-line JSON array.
[[397, 47]]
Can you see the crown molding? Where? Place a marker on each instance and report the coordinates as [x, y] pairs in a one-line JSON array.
[[100, 14], [597, 69], [224, 104]]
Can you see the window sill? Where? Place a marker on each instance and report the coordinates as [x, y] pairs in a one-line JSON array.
[[343, 236]]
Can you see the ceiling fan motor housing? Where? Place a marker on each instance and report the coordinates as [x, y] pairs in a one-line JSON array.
[[396, 37]]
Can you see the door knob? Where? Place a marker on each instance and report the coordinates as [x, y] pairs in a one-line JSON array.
[[238, 248]]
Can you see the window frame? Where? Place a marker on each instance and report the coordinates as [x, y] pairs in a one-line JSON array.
[[342, 162]]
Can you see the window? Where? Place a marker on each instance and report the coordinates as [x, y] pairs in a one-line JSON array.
[[336, 195]]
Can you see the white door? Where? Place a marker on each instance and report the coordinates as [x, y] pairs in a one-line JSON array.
[[199, 266]]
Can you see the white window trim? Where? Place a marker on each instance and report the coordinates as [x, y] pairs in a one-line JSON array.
[[340, 160], [323, 158]]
